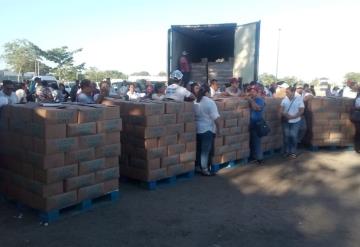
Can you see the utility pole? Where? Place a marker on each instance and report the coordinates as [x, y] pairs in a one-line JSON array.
[[277, 55]]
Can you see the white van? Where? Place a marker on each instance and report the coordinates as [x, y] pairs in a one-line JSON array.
[[49, 78]]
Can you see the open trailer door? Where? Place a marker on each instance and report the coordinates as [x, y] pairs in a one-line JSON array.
[[246, 51], [169, 53]]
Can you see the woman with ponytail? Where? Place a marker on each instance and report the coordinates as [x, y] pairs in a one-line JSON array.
[[207, 125]]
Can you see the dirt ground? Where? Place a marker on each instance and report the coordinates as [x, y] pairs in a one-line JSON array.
[[313, 201]]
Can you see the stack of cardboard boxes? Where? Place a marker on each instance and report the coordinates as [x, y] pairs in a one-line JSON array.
[[272, 116], [222, 72], [329, 122], [232, 143], [199, 72], [56, 157], [159, 139]]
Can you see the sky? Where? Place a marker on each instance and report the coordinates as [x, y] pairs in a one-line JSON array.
[[318, 38]]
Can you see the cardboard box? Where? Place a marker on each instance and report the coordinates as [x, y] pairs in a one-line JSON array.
[[190, 127], [146, 132], [228, 157], [90, 192], [79, 155], [176, 149], [175, 129], [107, 174], [228, 140], [46, 161], [51, 115], [149, 154], [88, 114], [170, 160], [190, 147], [189, 166], [108, 151], [188, 106], [187, 157], [111, 185], [146, 121], [185, 117], [53, 146], [91, 166], [168, 140], [111, 162], [55, 174], [94, 141], [174, 107], [111, 112], [112, 138], [230, 123], [219, 141], [140, 142], [144, 109], [175, 170], [47, 131], [78, 182], [81, 129], [144, 175], [187, 137], [55, 202], [152, 164], [168, 119], [107, 126]]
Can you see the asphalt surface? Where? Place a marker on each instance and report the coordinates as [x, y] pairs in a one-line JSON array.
[[312, 201]]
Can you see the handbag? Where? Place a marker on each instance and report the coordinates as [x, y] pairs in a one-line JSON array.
[[262, 128]]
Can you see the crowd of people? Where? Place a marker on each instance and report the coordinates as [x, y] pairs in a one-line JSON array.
[[206, 113]]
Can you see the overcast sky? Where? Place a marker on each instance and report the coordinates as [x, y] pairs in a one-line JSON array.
[[318, 38]]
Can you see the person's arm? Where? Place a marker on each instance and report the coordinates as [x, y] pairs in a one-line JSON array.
[[254, 106], [299, 114]]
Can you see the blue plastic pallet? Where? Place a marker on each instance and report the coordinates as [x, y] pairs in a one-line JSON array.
[[54, 215], [152, 185], [233, 163], [331, 148]]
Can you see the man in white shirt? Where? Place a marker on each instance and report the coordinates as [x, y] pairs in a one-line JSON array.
[[214, 88], [177, 92], [292, 108], [8, 93], [349, 91], [21, 93]]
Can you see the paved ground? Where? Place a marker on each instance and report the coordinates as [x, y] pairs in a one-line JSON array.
[[313, 201]]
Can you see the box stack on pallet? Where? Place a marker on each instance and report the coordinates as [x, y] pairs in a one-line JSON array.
[[274, 141], [233, 142], [330, 124], [199, 72], [158, 141], [53, 158], [222, 72]]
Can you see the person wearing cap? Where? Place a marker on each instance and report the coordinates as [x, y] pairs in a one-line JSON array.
[[257, 105], [184, 67], [7, 94], [234, 89], [175, 91]]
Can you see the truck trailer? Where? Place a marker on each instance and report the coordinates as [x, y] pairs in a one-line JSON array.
[[216, 51]]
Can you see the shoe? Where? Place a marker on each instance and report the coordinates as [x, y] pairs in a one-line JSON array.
[[207, 173], [293, 156]]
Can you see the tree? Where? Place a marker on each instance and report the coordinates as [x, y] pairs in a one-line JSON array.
[[267, 79], [95, 74], [64, 60], [353, 76], [21, 55], [141, 73], [162, 73], [291, 80], [315, 82]]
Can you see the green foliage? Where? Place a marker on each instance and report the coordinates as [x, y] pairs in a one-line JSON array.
[[64, 60], [162, 73], [267, 79], [315, 82], [95, 74], [353, 76], [141, 73]]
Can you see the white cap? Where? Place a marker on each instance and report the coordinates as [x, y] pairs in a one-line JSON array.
[[176, 74], [284, 85]]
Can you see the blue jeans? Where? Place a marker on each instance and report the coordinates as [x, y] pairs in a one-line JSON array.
[[255, 145], [204, 149], [291, 133], [302, 129]]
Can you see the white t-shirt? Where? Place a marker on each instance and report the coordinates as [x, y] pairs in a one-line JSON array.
[[176, 92], [85, 99], [21, 94], [357, 102], [155, 96], [206, 113], [294, 108], [231, 93], [12, 99], [348, 93], [134, 95], [213, 92]]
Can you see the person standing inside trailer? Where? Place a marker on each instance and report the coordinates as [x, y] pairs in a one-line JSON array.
[[292, 108], [257, 105], [207, 125], [175, 91], [185, 68]]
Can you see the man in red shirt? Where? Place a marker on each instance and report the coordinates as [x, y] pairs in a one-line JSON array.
[[184, 67]]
